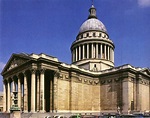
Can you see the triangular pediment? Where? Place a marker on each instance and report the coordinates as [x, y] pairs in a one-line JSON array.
[[146, 71], [15, 61]]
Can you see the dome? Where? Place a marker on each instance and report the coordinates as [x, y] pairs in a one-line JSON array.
[[92, 24]]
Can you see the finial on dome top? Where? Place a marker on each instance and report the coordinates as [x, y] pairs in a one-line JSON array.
[[92, 2], [92, 11]]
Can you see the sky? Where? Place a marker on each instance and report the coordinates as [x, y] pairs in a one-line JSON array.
[[50, 27]]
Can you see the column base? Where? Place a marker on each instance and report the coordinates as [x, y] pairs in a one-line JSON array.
[[33, 111], [25, 111], [42, 111]]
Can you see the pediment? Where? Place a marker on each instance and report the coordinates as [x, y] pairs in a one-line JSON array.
[[146, 71], [15, 61]]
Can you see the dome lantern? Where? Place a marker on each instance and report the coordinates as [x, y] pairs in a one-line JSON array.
[[92, 11]]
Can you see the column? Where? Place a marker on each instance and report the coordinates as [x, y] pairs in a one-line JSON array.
[[76, 54], [8, 97], [51, 95], [38, 92], [105, 51], [4, 97], [112, 55], [19, 92], [108, 53], [33, 90], [42, 92], [55, 91], [79, 52], [92, 51], [97, 50], [87, 51], [25, 93], [83, 52], [13, 86], [101, 51], [73, 55]]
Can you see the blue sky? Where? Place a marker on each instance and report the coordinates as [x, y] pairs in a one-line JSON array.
[[50, 27]]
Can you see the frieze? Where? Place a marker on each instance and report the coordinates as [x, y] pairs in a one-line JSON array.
[[85, 80], [61, 76], [116, 79], [109, 81], [90, 81], [66, 77], [79, 79], [103, 81], [96, 82]]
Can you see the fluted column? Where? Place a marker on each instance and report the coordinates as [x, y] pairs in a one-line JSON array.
[[33, 100], [87, 51], [97, 50], [42, 92], [38, 92], [4, 97], [92, 51], [19, 92], [25, 93], [83, 52], [8, 97], [79, 52], [105, 51]]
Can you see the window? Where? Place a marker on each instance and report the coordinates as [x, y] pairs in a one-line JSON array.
[[94, 34]]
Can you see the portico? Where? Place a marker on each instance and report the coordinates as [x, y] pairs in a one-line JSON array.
[[34, 87]]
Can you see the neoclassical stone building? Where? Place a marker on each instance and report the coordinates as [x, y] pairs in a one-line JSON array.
[[90, 84]]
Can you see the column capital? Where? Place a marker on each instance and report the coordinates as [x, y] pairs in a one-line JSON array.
[[57, 73], [33, 70], [42, 70], [4, 81]]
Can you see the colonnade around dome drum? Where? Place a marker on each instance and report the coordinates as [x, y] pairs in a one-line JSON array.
[[93, 50], [35, 90], [92, 45]]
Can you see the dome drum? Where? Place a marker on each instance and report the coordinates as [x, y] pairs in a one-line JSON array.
[[92, 49]]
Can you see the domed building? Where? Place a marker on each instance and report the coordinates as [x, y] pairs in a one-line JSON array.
[[91, 84]]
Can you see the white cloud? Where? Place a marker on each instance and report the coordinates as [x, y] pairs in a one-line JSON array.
[[144, 3], [2, 66]]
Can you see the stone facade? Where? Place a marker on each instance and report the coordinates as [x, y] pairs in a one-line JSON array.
[[90, 84]]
